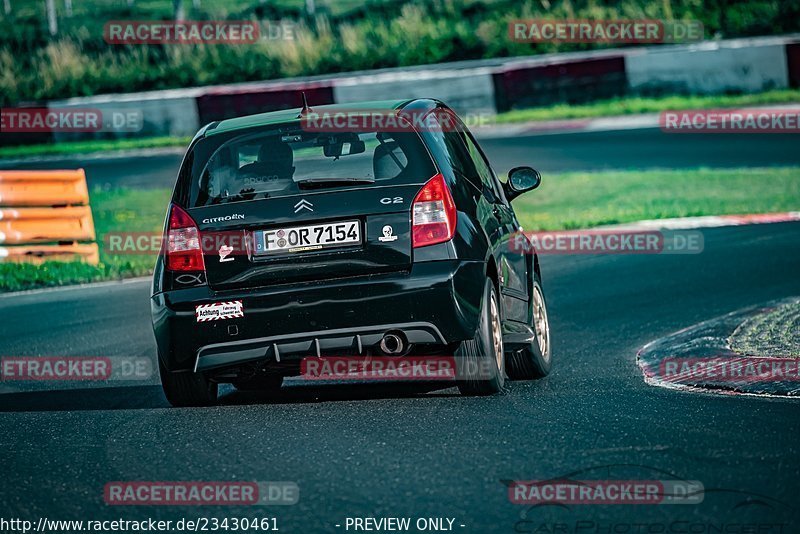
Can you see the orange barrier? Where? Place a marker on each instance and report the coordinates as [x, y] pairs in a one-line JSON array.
[[88, 253], [44, 215], [43, 188]]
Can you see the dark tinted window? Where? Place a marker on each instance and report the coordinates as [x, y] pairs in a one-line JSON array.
[[451, 141], [461, 159], [270, 164], [481, 165]]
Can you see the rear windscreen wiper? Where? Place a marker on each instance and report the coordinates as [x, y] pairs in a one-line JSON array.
[[329, 182]]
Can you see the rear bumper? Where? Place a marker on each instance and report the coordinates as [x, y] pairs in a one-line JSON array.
[[436, 303]]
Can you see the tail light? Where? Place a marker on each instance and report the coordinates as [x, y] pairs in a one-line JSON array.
[[433, 214], [183, 242]]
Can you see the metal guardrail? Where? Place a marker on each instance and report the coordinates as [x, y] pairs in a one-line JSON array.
[[45, 215]]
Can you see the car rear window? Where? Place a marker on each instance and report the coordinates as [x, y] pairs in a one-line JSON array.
[[276, 163]]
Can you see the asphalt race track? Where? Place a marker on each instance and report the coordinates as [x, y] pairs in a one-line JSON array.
[[384, 450], [391, 450], [624, 149]]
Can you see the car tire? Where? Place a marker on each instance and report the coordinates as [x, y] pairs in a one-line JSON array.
[[185, 388], [262, 384], [535, 360], [480, 362]]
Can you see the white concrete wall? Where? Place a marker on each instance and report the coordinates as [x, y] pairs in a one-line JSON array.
[[465, 90], [742, 65], [172, 112], [707, 68]]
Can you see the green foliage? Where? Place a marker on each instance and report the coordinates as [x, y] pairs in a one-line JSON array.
[[16, 277], [639, 105], [586, 199], [344, 35], [114, 211]]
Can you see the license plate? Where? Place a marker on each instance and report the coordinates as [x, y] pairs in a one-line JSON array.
[[306, 238]]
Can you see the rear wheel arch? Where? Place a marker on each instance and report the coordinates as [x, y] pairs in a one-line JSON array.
[[535, 274], [492, 273]]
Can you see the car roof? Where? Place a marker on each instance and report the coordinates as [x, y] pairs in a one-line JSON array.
[[289, 116]]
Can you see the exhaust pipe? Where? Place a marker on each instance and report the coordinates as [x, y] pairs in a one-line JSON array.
[[392, 344]]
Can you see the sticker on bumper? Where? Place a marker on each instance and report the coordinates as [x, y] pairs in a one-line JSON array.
[[219, 310]]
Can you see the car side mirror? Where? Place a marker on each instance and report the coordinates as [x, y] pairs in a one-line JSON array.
[[521, 180]]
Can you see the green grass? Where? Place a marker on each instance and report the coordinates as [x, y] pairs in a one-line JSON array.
[[346, 35], [771, 333], [586, 199], [117, 210], [633, 106], [88, 147], [563, 201]]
